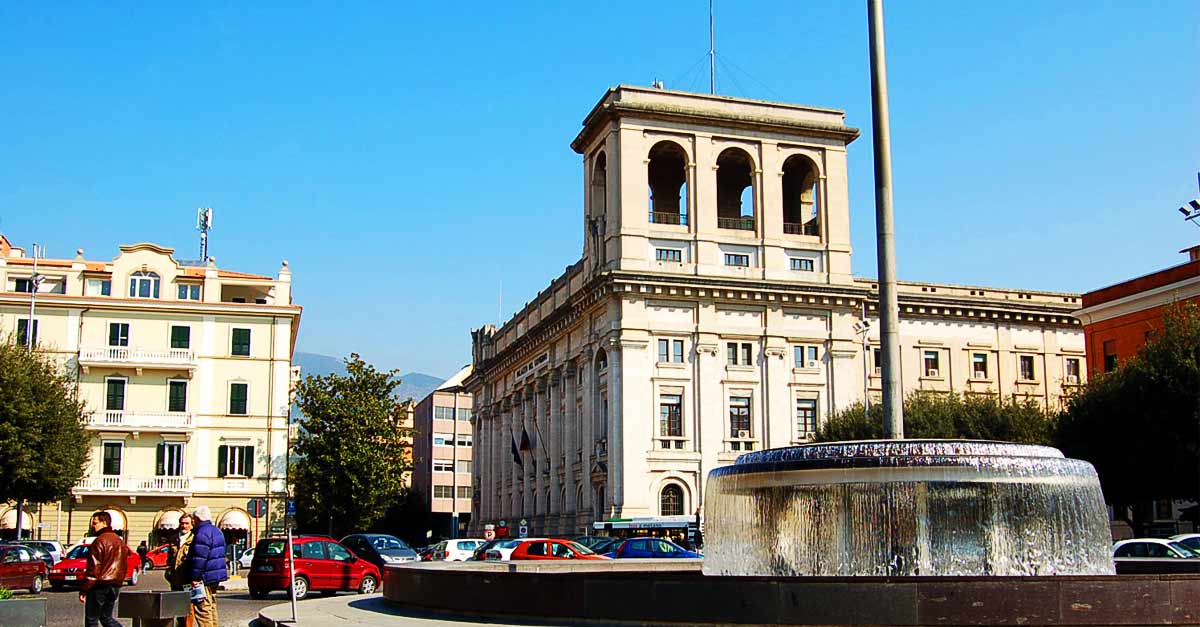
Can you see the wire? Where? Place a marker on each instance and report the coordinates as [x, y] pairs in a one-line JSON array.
[[733, 78], [689, 71], [750, 76]]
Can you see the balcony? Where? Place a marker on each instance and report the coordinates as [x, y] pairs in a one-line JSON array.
[[140, 420], [796, 228], [134, 486], [737, 224], [664, 217], [136, 357]]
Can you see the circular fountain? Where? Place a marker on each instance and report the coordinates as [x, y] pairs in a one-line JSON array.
[[906, 508]]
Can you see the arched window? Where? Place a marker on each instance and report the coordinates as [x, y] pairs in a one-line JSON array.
[[143, 285], [735, 190], [670, 501], [598, 209], [601, 360], [801, 211], [667, 177], [598, 509]]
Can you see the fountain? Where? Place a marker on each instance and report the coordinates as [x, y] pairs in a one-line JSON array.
[[906, 508]]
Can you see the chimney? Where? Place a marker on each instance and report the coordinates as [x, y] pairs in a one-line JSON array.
[[1193, 252]]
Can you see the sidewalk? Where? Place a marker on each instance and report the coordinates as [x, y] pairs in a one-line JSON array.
[[347, 611]]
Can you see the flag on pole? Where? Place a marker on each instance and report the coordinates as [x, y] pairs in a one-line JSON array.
[[516, 454], [526, 445]]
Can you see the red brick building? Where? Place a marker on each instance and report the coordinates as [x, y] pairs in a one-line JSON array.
[[1118, 319]]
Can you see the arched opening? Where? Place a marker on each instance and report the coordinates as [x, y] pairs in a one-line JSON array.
[[601, 360], [801, 210], [735, 190], [667, 177], [235, 525], [598, 207], [670, 501], [598, 509], [143, 285]]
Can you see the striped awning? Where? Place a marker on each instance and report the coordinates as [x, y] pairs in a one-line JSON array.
[[169, 519], [235, 520], [9, 520], [119, 523]]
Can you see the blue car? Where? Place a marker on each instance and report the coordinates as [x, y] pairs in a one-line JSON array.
[[650, 548]]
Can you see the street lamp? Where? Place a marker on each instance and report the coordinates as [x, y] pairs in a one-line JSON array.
[[863, 329]]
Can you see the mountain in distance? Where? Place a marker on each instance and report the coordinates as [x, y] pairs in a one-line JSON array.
[[415, 385]]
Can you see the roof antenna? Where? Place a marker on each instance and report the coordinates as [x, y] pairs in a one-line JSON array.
[[712, 52], [204, 225]]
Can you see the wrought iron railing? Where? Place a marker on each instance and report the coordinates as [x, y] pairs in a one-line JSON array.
[[666, 217], [738, 224]]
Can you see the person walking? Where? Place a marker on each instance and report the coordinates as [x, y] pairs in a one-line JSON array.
[[176, 572], [206, 566], [107, 566], [142, 552]]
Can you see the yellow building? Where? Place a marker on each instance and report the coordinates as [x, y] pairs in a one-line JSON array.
[[186, 371]]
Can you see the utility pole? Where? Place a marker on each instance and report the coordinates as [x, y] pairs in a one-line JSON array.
[[885, 236], [712, 52]]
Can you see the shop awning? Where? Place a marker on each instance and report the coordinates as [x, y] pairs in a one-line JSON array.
[[118, 519], [9, 520], [169, 519], [235, 520]]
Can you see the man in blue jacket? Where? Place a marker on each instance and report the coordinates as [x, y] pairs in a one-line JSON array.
[[206, 565]]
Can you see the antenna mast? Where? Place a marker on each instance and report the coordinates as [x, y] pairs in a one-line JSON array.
[[712, 52], [204, 225]]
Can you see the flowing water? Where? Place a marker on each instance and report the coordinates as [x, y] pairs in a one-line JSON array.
[[904, 508]]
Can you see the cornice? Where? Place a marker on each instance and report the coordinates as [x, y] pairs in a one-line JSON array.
[[150, 305]]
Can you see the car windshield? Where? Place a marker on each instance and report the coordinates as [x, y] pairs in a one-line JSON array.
[[389, 545], [1185, 550], [508, 544], [579, 548], [78, 552], [270, 548], [609, 544]]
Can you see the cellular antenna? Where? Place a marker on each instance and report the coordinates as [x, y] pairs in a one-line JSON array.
[[712, 52], [204, 225]]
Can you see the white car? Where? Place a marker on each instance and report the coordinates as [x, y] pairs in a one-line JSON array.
[[503, 551], [54, 548], [1190, 540], [1157, 548], [456, 550], [246, 558]]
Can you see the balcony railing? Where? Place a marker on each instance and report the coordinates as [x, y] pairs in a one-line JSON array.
[[133, 420], [134, 485], [137, 355], [797, 228], [737, 224], [665, 217]]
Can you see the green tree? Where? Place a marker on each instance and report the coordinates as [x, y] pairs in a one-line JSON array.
[[1138, 425], [43, 443], [351, 452], [947, 416]]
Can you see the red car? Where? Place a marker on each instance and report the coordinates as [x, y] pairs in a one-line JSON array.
[[322, 564], [20, 569], [69, 571], [158, 556], [553, 550]]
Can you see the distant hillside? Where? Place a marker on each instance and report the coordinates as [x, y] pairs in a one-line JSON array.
[[415, 385]]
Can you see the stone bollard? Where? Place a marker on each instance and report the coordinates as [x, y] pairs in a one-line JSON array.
[[153, 609]]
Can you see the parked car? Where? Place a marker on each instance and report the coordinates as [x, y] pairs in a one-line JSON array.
[[321, 564], [1190, 540], [599, 544], [553, 550], [38, 553], [380, 549], [455, 550], [502, 552], [649, 548], [1154, 556], [52, 547], [246, 559], [480, 553], [20, 569], [69, 571], [158, 556]]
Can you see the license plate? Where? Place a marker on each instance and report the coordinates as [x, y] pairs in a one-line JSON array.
[[266, 568], [70, 578]]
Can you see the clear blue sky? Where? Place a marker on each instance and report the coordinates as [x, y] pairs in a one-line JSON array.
[[407, 157]]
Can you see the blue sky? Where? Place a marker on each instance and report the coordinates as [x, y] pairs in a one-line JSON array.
[[408, 157]]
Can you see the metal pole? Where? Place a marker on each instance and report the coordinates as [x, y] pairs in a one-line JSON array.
[[454, 474], [291, 572], [30, 326], [889, 305], [866, 331], [712, 52]]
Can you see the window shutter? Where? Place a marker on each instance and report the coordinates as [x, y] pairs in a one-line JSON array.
[[113, 333], [248, 462], [222, 460], [160, 458]]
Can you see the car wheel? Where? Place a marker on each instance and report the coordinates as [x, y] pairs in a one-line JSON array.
[[368, 585], [38, 582], [135, 576], [300, 587], [255, 593]]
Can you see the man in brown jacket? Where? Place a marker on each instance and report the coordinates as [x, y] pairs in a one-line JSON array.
[[107, 563]]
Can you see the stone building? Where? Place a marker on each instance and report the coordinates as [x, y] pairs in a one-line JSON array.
[[186, 370], [714, 312]]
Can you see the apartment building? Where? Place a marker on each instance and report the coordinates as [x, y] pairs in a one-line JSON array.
[[713, 312], [185, 369], [442, 455]]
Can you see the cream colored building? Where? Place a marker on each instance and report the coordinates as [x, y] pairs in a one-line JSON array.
[[186, 371], [714, 312]]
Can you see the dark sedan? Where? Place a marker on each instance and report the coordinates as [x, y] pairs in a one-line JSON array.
[[380, 549]]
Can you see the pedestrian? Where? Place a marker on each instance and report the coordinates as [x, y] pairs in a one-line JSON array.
[[206, 566], [107, 566], [176, 572], [142, 552]]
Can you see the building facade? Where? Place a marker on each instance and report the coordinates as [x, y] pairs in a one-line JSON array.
[[713, 312], [185, 369], [442, 455]]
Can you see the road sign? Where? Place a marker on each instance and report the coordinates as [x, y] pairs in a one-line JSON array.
[[291, 507], [524, 523], [257, 507], [523, 531]]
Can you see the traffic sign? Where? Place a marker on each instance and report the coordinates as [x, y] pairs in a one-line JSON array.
[[291, 507], [257, 507], [523, 531], [524, 522]]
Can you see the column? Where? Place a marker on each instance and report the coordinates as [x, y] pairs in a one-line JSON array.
[[541, 469], [616, 458], [529, 503], [586, 448], [512, 473], [555, 509]]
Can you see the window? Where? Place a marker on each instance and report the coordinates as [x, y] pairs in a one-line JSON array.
[[177, 395], [802, 265], [23, 329], [1072, 368], [1110, 355], [464, 414], [739, 417], [979, 368], [181, 337], [443, 439], [118, 334], [670, 351], [168, 459], [23, 285], [337, 552], [670, 502], [238, 395], [666, 173], [739, 354], [241, 343], [877, 356], [464, 440], [98, 287], [741, 261], [443, 413], [443, 466], [735, 190], [801, 202], [1027, 373], [114, 394], [806, 356], [464, 492], [235, 461], [188, 292], [670, 255], [670, 419], [931, 359], [143, 285], [312, 551], [806, 418], [111, 463], [443, 491], [464, 465]]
